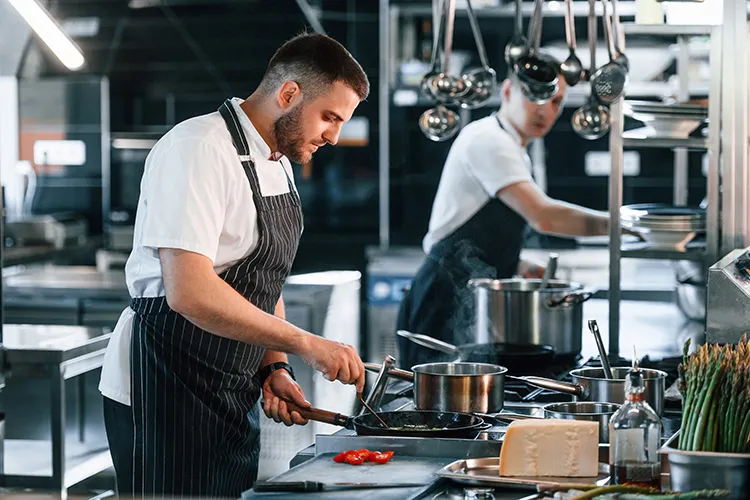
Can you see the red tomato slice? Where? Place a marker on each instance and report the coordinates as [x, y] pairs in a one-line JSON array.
[[339, 459], [354, 458], [381, 458]]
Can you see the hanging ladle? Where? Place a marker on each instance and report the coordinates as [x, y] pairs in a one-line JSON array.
[[517, 45], [444, 87], [439, 123], [481, 82], [536, 77], [608, 82], [591, 121], [571, 68], [425, 84]]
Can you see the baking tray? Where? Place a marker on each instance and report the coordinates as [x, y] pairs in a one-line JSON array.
[[485, 472]]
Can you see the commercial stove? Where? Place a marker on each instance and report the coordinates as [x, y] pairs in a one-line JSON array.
[[519, 399]]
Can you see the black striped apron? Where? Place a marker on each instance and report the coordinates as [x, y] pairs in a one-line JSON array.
[[194, 395]]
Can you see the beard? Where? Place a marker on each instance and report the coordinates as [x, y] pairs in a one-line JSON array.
[[287, 130]]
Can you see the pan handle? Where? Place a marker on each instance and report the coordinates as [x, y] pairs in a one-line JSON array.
[[392, 372], [428, 342], [553, 385], [318, 415], [570, 299]]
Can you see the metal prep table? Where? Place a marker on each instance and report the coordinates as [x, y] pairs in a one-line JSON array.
[[56, 353]]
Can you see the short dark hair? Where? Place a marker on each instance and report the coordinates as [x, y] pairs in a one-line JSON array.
[[315, 62]]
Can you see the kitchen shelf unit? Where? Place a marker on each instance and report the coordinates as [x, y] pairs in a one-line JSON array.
[[619, 140]]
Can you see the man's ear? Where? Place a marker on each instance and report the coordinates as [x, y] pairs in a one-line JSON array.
[[288, 95], [506, 88]]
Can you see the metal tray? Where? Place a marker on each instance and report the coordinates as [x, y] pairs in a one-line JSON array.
[[485, 472]]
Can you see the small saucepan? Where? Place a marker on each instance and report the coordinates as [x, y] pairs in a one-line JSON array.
[[454, 387], [589, 411], [590, 384], [517, 358], [402, 423]]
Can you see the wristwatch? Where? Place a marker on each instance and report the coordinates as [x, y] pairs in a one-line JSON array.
[[267, 370]]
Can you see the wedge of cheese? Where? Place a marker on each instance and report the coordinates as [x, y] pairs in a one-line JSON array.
[[549, 447]]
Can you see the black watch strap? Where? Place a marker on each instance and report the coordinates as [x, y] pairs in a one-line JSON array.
[[267, 370]]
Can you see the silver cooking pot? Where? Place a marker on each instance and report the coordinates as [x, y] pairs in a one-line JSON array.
[[517, 311], [590, 384]]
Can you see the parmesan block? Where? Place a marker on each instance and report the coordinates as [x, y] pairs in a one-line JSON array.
[[550, 447]]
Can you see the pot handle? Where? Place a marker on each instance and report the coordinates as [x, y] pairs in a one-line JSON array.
[[318, 415], [570, 299], [553, 385], [428, 342], [392, 372]]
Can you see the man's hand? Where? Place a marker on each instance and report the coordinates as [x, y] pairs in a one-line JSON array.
[[335, 360], [280, 387], [530, 270]]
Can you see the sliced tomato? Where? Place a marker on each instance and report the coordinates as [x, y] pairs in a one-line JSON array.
[[354, 458], [339, 459], [380, 457]]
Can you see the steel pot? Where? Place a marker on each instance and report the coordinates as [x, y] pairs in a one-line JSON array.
[[589, 384], [454, 387], [459, 387], [591, 411], [518, 311]]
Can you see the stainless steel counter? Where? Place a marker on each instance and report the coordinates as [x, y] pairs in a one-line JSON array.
[[56, 354]]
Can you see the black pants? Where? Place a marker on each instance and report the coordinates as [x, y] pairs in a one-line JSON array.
[[118, 422]]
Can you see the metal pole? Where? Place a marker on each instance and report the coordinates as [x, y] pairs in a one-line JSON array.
[[713, 231], [615, 240], [683, 95], [384, 125]]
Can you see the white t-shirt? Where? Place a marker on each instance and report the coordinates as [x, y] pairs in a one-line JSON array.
[[483, 159], [195, 196]]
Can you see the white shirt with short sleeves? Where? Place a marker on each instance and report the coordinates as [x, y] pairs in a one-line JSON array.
[[483, 159], [194, 196]]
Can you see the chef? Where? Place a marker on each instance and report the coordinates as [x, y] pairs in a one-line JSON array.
[[217, 228], [485, 200]]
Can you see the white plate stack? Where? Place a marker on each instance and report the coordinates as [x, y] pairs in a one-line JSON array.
[[664, 227]]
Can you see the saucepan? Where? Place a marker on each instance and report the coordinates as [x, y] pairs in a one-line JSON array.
[[438, 424], [588, 411], [517, 358], [590, 384], [454, 387]]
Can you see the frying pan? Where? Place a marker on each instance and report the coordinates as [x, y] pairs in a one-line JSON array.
[[521, 359], [439, 424]]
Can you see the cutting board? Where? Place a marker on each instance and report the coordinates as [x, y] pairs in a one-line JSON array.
[[400, 469]]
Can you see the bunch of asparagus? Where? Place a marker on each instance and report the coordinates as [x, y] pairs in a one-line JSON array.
[[715, 386]]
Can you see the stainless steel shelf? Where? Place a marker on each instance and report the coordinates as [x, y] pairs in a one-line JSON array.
[[669, 30], [27, 463], [694, 252], [637, 141], [575, 97], [550, 9]]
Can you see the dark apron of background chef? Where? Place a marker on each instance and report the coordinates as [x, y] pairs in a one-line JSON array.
[[194, 394], [439, 303]]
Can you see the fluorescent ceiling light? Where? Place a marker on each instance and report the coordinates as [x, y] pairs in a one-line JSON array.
[[50, 32]]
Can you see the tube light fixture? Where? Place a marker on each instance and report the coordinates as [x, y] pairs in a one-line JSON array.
[[50, 32]]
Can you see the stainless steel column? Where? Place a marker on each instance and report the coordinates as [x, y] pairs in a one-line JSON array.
[[734, 77], [57, 419], [615, 239], [681, 177], [384, 97]]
